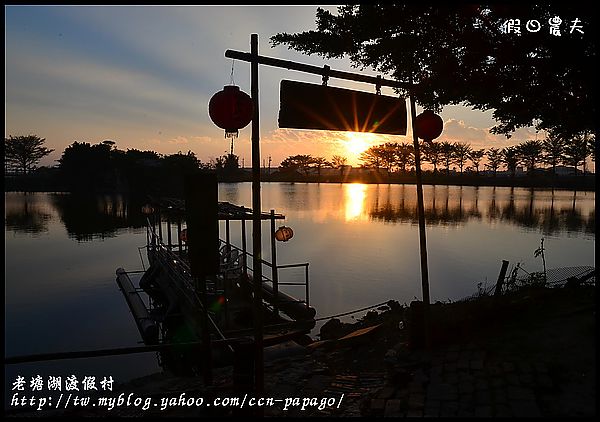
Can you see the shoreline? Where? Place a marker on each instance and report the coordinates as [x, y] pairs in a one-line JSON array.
[[587, 185], [525, 354]]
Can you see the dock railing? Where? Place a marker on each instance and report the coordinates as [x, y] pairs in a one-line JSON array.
[[234, 262], [275, 270]]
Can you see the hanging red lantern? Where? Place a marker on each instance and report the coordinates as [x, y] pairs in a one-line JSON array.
[[428, 125], [231, 109], [283, 234], [147, 209]]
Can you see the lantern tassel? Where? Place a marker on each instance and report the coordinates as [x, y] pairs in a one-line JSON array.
[[231, 133]]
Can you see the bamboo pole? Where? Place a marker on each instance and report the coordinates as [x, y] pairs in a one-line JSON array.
[[256, 223], [421, 215]]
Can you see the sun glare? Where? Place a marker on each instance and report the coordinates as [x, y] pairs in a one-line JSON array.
[[355, 143]]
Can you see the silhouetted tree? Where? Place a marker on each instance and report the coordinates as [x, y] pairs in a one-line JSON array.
[[24, 152], [553, 150], [511, 157], [404, 155], [448, 151], [431, 152], [576, 152], [494, 156], [319, 162], [461, 154], [86, 167], [372, 157], [297, 162], [456, 52], [338, 161], [475, 156], [530, 153]]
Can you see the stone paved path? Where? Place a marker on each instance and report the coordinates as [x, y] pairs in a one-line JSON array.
[[466, 381]]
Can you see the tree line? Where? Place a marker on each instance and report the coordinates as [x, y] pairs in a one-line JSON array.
[[86, 167], [552, 151]]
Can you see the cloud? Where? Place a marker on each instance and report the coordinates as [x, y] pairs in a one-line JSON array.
[[456, 130]]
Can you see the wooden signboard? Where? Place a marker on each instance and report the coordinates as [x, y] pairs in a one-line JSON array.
[[312, 106], [201, 206]]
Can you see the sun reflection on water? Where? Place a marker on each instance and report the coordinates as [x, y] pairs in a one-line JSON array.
[[355, 194]]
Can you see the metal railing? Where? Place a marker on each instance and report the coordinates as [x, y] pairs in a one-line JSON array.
[[232, 264], [224, 245]]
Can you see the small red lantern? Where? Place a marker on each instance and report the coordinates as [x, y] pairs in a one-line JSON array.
[[183, 236], [283, 234], [428, 125], [147, 209], [231, 109]]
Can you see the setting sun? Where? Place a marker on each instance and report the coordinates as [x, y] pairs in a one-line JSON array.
[[356, 143]]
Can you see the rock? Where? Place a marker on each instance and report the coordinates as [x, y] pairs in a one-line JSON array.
[[334, 329], [390, 357]]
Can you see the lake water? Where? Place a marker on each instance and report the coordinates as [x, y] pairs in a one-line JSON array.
[[361, 241]]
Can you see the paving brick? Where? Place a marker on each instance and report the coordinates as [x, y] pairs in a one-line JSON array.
[[481, 384], [420, 377], [414, 414], [414, 387], [483, 397], [520, 393], [435, 370], [416, 401], [544, 381], [502, 411], [431, 413], [393, 408], [524, 367], [540, 367], [524, 408], [466, 401], [442, 392], [453, 348], [465, 387], [462, 363], [476, 364], [513, 380], [483, 411], [451, 378], [386, 393], [449, 409], [508, 367], [377, 405], [465, 413], [498, 383], [499, 396], [451, 356]]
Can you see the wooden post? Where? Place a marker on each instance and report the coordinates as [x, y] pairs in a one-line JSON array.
[[227, 243], [169, 231], [256, 223], [244, 250], [274, 272], [201, 206], [159, 226], [179, 235], [501, 277], [421, 215]]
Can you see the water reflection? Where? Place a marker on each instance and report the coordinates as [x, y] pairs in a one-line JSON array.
[[354, 196], [25, 214], [96, 217], [549, 211]]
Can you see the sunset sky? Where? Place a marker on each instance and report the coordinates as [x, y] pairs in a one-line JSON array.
[[143, 75]]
